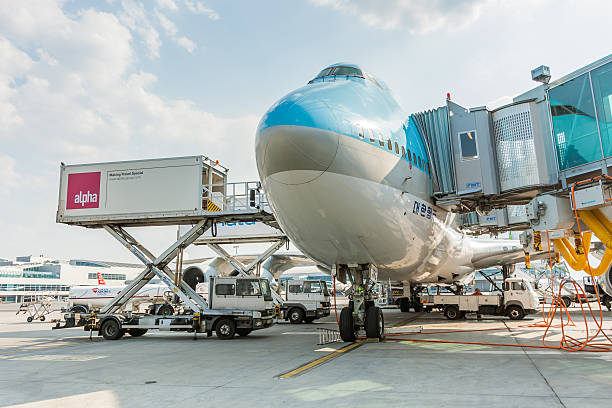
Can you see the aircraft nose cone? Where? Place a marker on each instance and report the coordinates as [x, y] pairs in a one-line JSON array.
[[295, 142]]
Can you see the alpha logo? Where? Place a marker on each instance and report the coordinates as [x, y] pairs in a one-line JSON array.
[[83, 190]]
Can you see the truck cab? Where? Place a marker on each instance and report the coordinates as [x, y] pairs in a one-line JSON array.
[[305, 300], [519, 292], [240, 293]]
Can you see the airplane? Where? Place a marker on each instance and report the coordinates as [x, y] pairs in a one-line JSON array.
[[348, 177]]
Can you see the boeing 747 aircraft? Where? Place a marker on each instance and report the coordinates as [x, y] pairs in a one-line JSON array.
[[348, 177]]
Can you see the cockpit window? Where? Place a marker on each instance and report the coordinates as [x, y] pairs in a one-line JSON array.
[[325, 72], [349, 71]]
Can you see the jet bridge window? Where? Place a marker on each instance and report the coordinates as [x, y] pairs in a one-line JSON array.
[[403, 152], [389, 145], [248, 287], [225, 289], [467, 142], [396, 148]]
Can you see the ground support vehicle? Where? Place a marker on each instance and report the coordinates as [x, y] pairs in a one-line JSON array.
[[304, 301], [237, 305], [518, 300], [176, 191]]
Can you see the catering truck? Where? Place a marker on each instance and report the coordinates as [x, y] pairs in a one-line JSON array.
[[236, 305], [517, 300]]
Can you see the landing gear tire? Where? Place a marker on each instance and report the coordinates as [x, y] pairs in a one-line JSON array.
[[110, 330], [404, 304], [608, 305], [374, 323], [296, 315], [515, 312], [567, 301], [452, 312], [347, 325], [243, 332], [226, 328], [136, 332]]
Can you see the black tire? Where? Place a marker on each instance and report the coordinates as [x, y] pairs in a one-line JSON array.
[[567, 300], [295, 315], [418, 306], [309, 319], [404, 304], [515, 312], [42, 318], [608, 305], [451, 312], [136, 332], [29, 319], [165, 310], [111, 330], [347, 325], [243, 332], [78, 309], [374, 323], [226, 328]]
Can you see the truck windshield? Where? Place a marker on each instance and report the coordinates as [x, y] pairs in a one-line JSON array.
[[248, 287], [325, 291], [265, 288]]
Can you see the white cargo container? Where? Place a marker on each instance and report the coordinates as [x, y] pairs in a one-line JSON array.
[[149, 192]]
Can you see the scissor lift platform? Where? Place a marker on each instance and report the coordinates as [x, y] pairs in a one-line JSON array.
[[189, 190]]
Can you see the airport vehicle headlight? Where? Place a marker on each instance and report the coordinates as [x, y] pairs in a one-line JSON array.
[[256, 314]]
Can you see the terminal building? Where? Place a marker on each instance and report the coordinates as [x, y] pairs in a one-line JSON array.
[[27, 277]]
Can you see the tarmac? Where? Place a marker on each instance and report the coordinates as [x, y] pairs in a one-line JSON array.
[[283, 366]]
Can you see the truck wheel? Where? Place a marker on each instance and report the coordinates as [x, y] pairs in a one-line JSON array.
[[78, 309], [374, 323], [111, 330], [29, 319], [296, 315], [42, 318], [347, 325], [136, 332], [226, 328], [567, 300], [404, 304], [515, 312], [451, 312], [418, 306], [243, 332], [165, 310], [309, 319]]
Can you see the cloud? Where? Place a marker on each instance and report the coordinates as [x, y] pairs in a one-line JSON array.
[[172, 31], [9, 179], [419, 16], [71, 90], [135, 17], [167, 4], [199, 7]]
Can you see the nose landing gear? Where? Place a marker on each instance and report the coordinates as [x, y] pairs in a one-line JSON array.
[[361, 312]]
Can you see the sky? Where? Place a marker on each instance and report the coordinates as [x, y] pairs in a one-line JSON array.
[[92, 81]]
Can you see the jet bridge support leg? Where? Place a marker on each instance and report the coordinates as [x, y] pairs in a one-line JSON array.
[[361, 312], [157, 266]]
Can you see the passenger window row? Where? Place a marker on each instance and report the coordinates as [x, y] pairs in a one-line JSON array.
[[405, 152]]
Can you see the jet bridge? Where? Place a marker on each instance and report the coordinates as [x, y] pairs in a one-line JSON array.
[[489, 165], [541, 164]]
